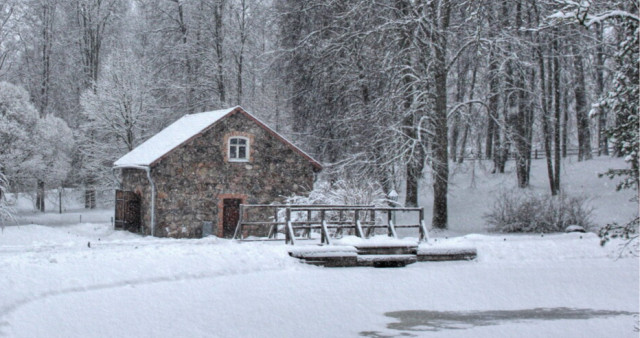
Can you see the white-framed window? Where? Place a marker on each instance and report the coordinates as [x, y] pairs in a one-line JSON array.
[[238, 149]]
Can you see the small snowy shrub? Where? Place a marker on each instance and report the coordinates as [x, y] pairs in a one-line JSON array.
[[343, 192], [523, 211]]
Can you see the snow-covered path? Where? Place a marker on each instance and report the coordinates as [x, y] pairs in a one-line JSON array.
[[125, 285]]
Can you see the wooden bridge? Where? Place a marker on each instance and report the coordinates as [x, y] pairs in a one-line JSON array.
[[296, 223]]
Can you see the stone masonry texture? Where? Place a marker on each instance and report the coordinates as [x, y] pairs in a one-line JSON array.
[[192, 179]]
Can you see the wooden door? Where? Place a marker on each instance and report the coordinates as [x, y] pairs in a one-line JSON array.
[[230, 216], [127, 213]]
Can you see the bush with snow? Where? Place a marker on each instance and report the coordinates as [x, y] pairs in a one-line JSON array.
[[341, 192], [33, 147], [523, 211], [344, 192]]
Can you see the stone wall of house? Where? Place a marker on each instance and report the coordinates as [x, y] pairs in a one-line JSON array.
[[192, 179], [136, 180]]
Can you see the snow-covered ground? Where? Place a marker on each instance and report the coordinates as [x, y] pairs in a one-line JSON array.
[[71, 279], [55, 285], [473, 188]]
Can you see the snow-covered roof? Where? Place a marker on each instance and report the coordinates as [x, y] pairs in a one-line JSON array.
[[181, 131], [170, 137]]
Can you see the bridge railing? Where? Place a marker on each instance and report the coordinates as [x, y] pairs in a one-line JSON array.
[[297, 222]]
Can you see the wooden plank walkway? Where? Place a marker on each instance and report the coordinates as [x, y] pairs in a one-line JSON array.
[[378, 255]]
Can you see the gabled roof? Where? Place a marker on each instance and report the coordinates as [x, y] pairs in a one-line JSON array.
[[186, 128]]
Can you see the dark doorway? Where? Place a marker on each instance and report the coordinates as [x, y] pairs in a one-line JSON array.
[[127, 214], [230, 216]]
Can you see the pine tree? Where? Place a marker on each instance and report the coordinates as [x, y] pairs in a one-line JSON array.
[[622, 102]]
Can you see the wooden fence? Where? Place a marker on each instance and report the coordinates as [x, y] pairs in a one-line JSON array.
[[297, 222], [537, 154]]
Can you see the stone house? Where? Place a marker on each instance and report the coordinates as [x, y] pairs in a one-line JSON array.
[[190, 178]]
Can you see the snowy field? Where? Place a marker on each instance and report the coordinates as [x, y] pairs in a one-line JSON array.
[[64, 278]]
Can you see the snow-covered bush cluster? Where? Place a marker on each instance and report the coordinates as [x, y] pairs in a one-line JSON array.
[[343, 192], [518, 211], [35, 146]]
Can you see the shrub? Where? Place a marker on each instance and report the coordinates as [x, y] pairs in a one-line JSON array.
[[524, 211], [343, 192]]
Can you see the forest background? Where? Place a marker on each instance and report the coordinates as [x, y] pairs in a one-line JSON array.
[[376, 90]]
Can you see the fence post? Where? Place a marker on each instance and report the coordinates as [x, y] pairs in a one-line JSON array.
[[356, 219], [274, 228], [288, 221], [424, 232], [323, 236], [309, 220]]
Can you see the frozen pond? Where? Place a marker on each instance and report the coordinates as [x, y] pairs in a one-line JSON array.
[[422, 320]]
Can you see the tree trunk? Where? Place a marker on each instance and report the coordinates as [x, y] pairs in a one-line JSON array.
[[40, 196], [189, 87], [415, 163], [456, 124], [218, 40], [545, 89], [556, 131], [502, 141], [414, 173], [579, 89], [493, 99], [440, 147], [467, 123], [565, 120], [90, 195], [603, 140], [521, 124], [463, 144], [455, 131], [240, 57]]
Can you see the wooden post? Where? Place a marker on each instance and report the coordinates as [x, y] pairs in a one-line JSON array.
[[323, 236], [309, 220], [289, 232], [389, 221], [325, 232], [356, 218], [372, 215], [392, 229], [424, 232], [275, 226]]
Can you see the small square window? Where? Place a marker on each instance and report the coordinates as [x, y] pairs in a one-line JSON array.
[[238, 149]]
